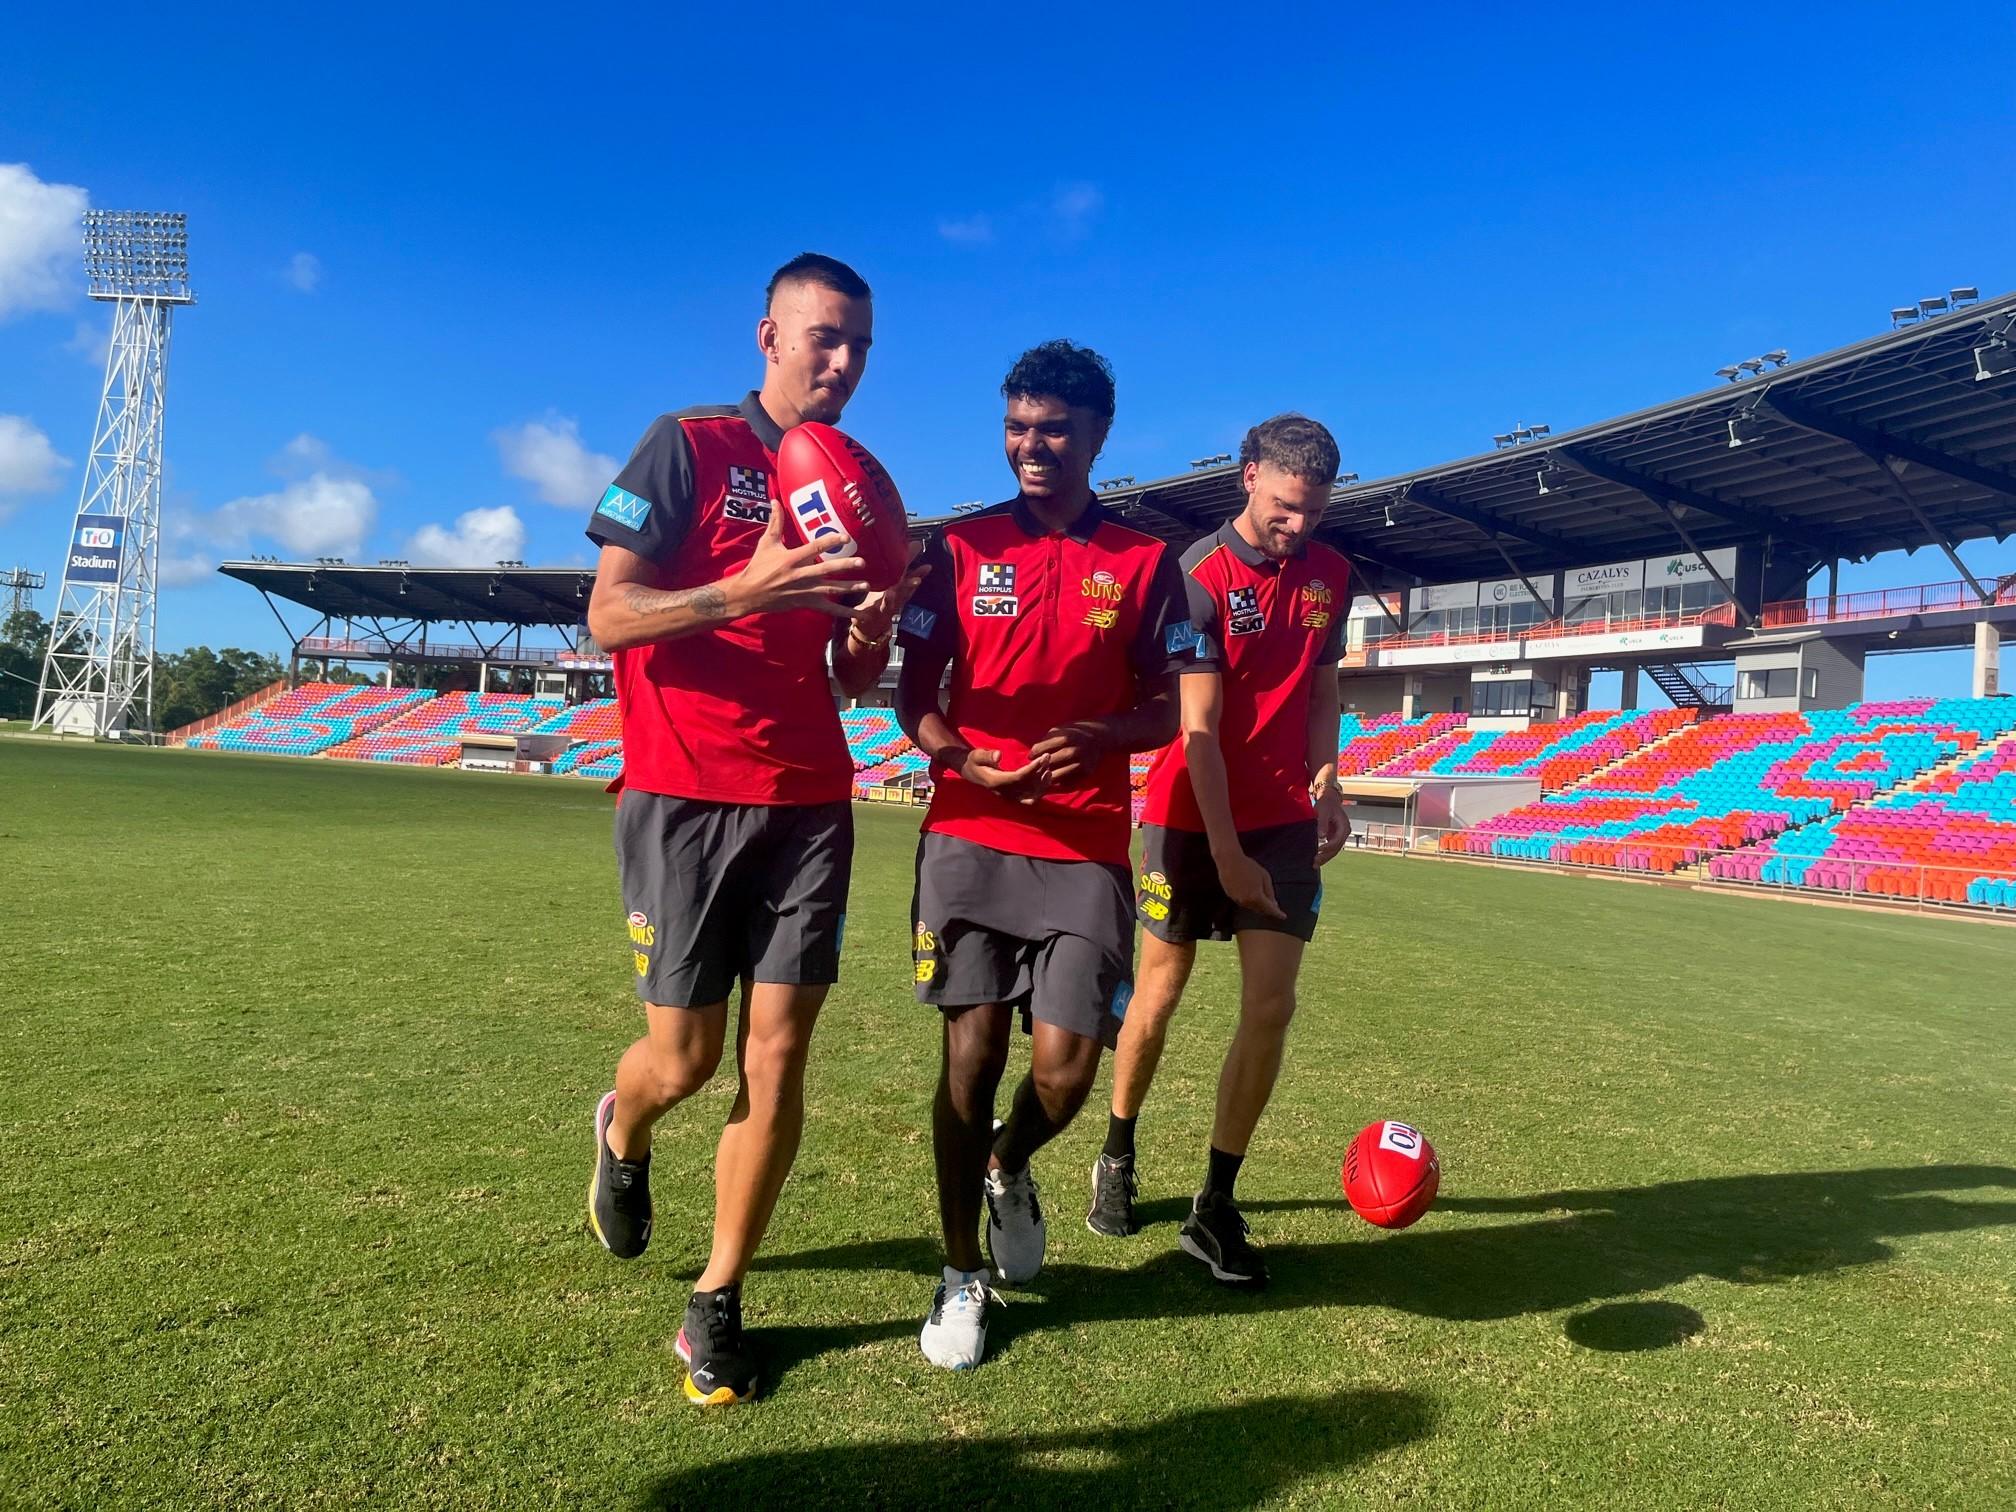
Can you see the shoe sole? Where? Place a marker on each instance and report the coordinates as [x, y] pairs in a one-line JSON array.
[[595, 1181], [1105, 1233], [720, 1396], [1195, 1250]]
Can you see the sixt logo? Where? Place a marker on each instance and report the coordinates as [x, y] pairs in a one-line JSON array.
[[815, 515]]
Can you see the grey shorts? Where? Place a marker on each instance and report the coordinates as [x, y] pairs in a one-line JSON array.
[[1054, 939], [721, 891], [1180, 900]]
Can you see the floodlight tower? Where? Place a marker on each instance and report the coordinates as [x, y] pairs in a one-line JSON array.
[[21, 586], [98, 676]]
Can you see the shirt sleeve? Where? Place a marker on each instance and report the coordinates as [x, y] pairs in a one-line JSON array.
[[1207, 652], [1166, 639], [650, 506], [1333, 641], [930, 620]]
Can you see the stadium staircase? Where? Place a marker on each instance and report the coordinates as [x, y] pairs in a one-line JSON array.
[[1689, 691]]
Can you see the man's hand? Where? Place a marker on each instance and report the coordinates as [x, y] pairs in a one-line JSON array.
[[1025, 784], [781, 577], [1069, 751], [1247, 884], [878, 611], [1333, 825]]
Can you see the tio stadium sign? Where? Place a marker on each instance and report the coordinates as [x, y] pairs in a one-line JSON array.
[[96, 549]]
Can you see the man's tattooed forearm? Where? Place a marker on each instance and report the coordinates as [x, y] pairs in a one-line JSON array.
[[708, 602]]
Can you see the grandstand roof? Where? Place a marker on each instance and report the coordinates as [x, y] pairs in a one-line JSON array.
[[1888, 443], [524, 596]]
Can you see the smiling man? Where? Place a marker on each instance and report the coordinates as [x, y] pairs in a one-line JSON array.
[[1242, 810], [735, 832], [1062, 629]]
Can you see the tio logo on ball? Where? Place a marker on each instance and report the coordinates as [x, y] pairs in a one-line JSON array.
[[815, 516]]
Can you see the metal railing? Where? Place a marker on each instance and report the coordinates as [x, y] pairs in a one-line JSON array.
[[1881, 603]]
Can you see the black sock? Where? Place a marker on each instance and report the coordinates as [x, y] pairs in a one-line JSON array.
[[1223, 1171], [1119, 1137]]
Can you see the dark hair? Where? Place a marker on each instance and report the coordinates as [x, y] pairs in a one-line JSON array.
[[817, 268], [1062, 370], [1295, 444]]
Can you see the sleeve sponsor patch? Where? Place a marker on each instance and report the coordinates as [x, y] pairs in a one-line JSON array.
[[918, 621], [1182, 636], [624, 507]]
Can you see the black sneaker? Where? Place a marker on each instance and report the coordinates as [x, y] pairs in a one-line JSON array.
[[1216, 1234], [1113, 1198], [619, 1193], [720, 1371]]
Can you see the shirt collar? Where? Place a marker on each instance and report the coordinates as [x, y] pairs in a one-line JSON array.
[[760, 422], [1240, 547], [1081, 530]]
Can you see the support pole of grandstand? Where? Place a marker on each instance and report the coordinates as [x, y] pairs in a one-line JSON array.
[[1627, 693], [1687, 538], [1520, 573], [1893, 469], [1987, 660]]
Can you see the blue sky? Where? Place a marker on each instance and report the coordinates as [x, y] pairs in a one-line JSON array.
[[449, 261]]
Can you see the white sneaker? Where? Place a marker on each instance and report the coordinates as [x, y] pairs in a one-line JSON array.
[[955, 1330], [1015, 1232]]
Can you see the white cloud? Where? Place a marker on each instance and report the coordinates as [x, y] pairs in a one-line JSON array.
[[303, 455], [304, 271], [92, 340], [180, 571], [481, 537], [1074, 206], [313, 516], [967, 231], [39, 259], [549, 455], [28, 463]]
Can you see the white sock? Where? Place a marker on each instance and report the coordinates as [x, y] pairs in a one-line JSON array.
[[956, 1278]]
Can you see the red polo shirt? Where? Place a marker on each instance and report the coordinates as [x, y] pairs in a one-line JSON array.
[[741, 713], [1268, 629], [1045, 628]]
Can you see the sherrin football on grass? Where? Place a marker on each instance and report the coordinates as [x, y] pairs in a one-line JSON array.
[[833, 487], [1391, 1173]]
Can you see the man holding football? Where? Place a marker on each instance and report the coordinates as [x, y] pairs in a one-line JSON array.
[[1242, 809], [734, 832], [1062, 628]]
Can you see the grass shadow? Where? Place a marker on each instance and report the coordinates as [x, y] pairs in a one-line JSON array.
[[1578, 1248], [1234, 1456]]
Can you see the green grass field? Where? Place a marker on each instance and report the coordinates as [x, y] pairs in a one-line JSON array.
[[299, 1061]]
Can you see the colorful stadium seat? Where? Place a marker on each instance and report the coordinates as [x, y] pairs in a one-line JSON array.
[[310, 719], [430, 735]]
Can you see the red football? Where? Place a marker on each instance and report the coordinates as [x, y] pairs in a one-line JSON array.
[[831, 486], [1391, 1174]]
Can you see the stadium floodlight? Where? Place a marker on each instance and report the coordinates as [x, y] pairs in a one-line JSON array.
[[98, 670], [1501, 442], [969, 506], [509, 562], [1752, 365], [1934, 304], [1211, 461], [1745, 427], [1537, 431], [1994, 358], [1778, 358], [1732, 372], [1966, 294], [1903, 315], [1552, 475], [1344, 478]]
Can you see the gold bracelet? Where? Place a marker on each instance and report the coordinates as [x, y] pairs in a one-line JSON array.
[[854, 634]]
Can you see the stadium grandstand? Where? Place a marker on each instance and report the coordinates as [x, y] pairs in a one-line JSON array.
[[1677, 546]]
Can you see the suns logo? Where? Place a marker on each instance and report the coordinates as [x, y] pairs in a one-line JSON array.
[[1315, 592], [1102, 587]]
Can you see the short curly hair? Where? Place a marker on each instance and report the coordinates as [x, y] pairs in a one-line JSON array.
[[1063, 370], [1295, 444]]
